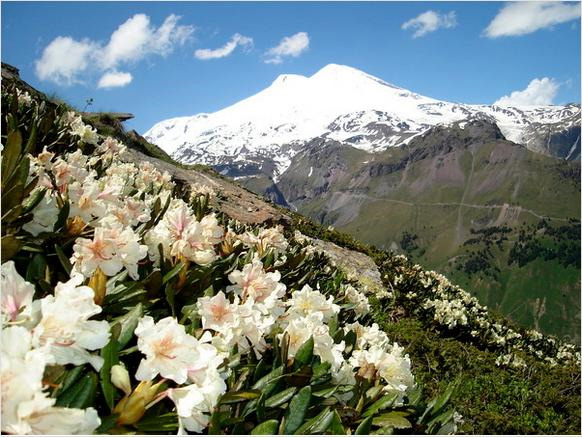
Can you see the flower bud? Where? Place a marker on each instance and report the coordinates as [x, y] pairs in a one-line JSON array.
[[98, 283], [132, 408], [120, 378], [75, 225]]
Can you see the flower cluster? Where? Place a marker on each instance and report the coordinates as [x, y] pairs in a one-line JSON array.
[[431, 295], [36, 333]]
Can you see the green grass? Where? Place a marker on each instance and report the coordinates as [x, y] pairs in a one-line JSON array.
[[537, 400]]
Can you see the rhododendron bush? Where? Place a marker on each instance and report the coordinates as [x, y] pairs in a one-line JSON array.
[[129, 305]]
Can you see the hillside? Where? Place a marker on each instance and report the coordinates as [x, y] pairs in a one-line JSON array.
[[434, 198], [292, 327], [414, 175]]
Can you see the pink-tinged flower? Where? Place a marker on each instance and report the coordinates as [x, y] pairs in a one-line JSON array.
[[252, 282], [171, 352], [26, 409], [111, 146], [16, 295], [217, 313], [65, 326], [88, 255]]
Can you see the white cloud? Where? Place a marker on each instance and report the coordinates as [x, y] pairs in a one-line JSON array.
[[64, 59], [221, 52], [430, 21], [521, 18], [113, 79], [538, 92], [292, 45]]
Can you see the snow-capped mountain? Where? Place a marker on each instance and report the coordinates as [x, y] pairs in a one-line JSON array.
[[350, 106]]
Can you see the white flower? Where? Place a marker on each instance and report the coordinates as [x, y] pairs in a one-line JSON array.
[[24, 97], [25, 408], [264, 289], [16, 297], [89, 255], [367, 336], [266, 239], [40, 417], [391, 366], [65, 324], [44, 215], [110, 146], [359, 299], [300, 329], [172, 353], [308, 301], [194, 402], [113, 247], [85, 132], [217, 313]]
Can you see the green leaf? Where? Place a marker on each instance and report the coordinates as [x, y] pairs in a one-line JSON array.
[[63, 259], [350, 339], [326, 392], [107, 423], [62, 217], [395, 419], [11, 154], [269, 427], [128, 324], [159, 423], [435, 405], [81, 394], [320, 373], [280, 398], [33, 201], [296, 411], [382, 403], [31, 142], [267, 379], [318, 424], [10, 247], [239, 396], [364, 427], [175, 270], [36, 268], [110, 354], [336, 427], [284, 349], [304, 354]]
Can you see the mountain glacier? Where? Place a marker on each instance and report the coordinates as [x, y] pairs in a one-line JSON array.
[[347, 105]]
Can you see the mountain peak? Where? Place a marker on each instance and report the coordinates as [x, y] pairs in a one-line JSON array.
[[286, 79]]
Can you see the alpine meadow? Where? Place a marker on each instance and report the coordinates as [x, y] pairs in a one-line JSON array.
[[311, 218]]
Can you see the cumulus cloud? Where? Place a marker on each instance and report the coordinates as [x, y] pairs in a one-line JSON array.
[[521, 18], [430, 21], [65, 59], [237, 40], [538, 92], [292, 46], [113, 79]]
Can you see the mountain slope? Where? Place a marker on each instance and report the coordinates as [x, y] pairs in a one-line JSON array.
[[447, 189], [492, 394], [348, 105]]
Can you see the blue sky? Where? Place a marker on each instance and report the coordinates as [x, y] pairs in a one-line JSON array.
[[470, 52]]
